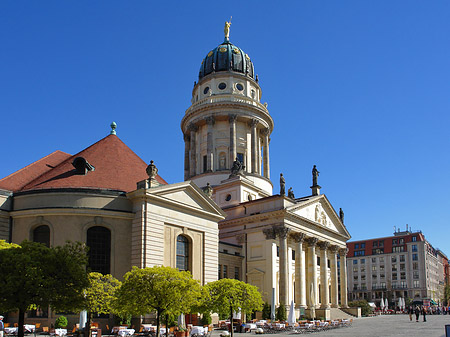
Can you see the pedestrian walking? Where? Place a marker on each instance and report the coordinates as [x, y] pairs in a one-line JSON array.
[[424, 314], [417, 312], [410, 312], [2, 326]]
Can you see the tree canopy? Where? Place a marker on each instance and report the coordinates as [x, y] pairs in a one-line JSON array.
[[158, 289], [33, 274], [228, 295]]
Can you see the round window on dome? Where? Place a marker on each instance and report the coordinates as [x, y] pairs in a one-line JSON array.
[[222, 86], [228, 197], [205, 91], [239, 87]]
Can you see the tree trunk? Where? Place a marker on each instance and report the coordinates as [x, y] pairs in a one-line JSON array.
[[231, 321], [87, 328], [167, 325], [20, 331], [158, 315]]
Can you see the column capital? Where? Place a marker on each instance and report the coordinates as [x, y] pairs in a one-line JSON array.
[[312, 242], [253, 123], [210, 120], [343, 252], [324, 245], [282, 231], [192, 127], [270, 233], [334, 249], [265, 132], [186, 138], [298, 237], [232, 118]]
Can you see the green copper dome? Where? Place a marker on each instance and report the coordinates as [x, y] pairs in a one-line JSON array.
[[226, 57]]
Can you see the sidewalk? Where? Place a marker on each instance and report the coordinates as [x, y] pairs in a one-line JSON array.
[[379, 326]]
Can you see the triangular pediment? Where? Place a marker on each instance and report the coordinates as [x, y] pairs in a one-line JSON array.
[[255, 271], [187, 195], [318, 210]]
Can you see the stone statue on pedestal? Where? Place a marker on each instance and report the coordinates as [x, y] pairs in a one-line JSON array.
[[282, 185], [315, 174], [291, 193], [237, 168], [341, 215]]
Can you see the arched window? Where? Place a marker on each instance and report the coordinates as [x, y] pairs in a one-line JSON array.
[[99, 243], [41, 234], [182, 253]]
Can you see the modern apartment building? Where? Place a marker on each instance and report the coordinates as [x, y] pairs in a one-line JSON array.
[[403, 265]]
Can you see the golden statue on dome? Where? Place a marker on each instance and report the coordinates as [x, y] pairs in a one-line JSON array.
[[226, 30]]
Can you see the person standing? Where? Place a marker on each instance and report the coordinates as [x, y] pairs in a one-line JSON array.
[[2, 326], [410, 312], [424, 314], [417, 312]]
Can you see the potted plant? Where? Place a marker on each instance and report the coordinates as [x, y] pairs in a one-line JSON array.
[[181, 332], [61, 322]]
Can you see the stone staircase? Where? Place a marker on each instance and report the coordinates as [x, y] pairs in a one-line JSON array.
[[337, 313]]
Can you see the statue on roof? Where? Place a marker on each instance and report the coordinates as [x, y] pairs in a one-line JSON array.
[[237, 168], [226, 30], [282, 185], [341, 215], [291, 193], [315, 174]]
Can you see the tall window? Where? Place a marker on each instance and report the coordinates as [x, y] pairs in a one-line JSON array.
[[182, 253], [99, 243], [41, 234]]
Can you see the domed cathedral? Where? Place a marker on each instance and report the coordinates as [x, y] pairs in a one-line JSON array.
[[227, 129], [292, 249]]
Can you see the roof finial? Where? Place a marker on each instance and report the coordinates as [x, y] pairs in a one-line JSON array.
[[113, 128], [226, 30]]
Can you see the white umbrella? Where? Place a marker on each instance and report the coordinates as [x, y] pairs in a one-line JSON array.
[[400, 303], [181, 321], [237, 315], [272, 308], [83, 319], [382, 303], [386, 303], [291, 317]]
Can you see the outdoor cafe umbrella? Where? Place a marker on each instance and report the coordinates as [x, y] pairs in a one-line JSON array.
[[181, 321], [382, 303], [83, 319], [272, 307], [386, 303], [291, 317], [400, 303]]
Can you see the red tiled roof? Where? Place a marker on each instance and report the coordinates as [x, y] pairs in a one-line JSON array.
[[117, 167], [15, 181]]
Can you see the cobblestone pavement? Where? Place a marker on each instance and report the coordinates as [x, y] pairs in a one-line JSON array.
[[379, 326]]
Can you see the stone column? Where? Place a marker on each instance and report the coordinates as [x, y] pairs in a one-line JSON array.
[[325, 300], [266, 153], [253, 124], [209, 144], [312, 267], [282, 232], [334, 277], [343, 256], [300, 272], [186, 156], [193, 162], [233, 152]]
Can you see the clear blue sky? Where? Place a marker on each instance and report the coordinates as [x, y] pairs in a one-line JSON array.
[[359, 88]]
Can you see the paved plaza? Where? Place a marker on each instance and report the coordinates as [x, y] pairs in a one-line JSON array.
[[380, 326]]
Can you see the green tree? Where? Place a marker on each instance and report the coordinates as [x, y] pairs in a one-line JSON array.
[[227, 296], [6, 245], [281, 313], [163, 290], [266, 311], [366, 309], [447, 294], [33, 274], [99, 295]]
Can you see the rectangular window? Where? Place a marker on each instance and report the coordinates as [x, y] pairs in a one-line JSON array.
[[374, 268], [363, 245], [328, 264], [318, 261], [383, 285], [220, 271], [394, 267], [363, 261], [236, 273], [402, 266], [403, 284], [416, 274], [374, 275], [355, 261], [414, 248], [401, 241], [381, 259], [359, 253], [356, 246], [363, 269], [394, 276], [394, 284], [416, 284], [355, 269], [382, 275], [402, 258], [225, 271], [402, 276], [414, 257], [394, 241], [293, 255], [363, 277], [381, 243], [394, 259], [415, 265], [278, 251], [355, 277], [375, 244], [374, 260], [205, 164], [414, 238]]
